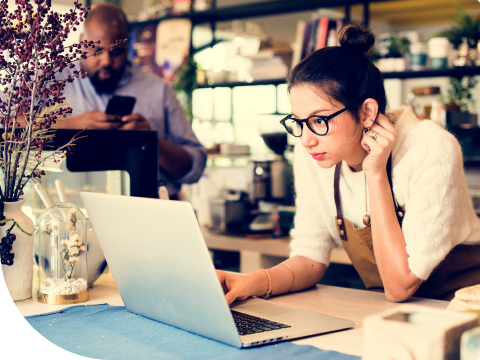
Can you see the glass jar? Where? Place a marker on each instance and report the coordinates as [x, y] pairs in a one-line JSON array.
[[470, 344], [62, 255]]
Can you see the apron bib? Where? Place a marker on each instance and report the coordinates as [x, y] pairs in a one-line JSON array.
[[460, 268]]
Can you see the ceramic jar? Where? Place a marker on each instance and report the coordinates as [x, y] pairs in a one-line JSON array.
[[19, 276]]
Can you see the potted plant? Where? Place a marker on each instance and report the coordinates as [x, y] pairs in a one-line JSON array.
[[184, 83], [32, 52], [458, 102], [464, 36], [464, 26], [392, 56]]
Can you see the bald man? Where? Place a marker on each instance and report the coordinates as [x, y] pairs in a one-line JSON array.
[[181, 158]]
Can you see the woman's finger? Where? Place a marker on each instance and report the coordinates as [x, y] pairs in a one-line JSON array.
[[384, 122], [372, 144], [379, 138], [230, 296], [365, 147], [383, 132]]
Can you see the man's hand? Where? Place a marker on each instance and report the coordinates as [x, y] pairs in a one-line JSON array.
[[134, 122], [93, 120]]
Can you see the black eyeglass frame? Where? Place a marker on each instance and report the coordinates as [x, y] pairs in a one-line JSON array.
[[114, 51], [301, 121]]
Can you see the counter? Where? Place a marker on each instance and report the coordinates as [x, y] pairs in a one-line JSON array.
[[260, 253], [346, 303]]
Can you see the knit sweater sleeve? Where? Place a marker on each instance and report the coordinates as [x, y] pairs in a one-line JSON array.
[[310, 235], [438, 207]]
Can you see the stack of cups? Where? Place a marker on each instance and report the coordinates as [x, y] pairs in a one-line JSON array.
[[438, 48]]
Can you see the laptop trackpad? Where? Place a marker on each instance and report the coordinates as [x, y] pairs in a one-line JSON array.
[[266, 309]]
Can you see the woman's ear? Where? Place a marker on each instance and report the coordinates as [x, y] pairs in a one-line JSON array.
[[369, 112]]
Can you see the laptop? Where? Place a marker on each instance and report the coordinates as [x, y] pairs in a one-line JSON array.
[[163, 271]]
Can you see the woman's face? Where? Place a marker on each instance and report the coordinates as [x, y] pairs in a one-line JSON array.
[[342, 142]]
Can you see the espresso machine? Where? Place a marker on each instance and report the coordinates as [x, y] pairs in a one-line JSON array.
[[271, 184], [272, 177]]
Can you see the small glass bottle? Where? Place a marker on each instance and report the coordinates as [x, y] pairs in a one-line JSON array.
[[62, 255], [470, 344]]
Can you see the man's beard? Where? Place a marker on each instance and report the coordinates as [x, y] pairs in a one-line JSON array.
[[106, 86]]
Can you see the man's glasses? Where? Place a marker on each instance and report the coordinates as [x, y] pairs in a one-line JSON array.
[[316, 123], [115, 51]]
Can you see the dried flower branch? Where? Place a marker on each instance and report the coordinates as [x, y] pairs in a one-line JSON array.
[[32, 53]]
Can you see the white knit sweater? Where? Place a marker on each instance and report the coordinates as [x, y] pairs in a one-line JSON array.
[[428, 178]]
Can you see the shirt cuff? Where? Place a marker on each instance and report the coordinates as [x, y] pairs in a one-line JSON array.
[[318, 253], [422, 265], [198, 157]]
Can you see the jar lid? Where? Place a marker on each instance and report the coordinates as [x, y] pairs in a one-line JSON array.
[[438, 41]]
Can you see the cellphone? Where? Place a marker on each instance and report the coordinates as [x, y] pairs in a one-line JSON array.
[[120, 106]]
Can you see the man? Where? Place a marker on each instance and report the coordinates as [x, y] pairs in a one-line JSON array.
[[181, 157]]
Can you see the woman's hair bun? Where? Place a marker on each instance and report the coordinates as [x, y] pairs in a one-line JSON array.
[[356, 37]]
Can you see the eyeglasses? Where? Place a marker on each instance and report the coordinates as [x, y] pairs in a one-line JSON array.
[[316, 123], [114, 51]]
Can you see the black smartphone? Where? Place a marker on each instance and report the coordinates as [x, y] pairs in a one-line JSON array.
[[120, 106]]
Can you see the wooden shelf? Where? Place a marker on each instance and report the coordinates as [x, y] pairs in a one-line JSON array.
[[266, 8], [244, 83], [453, 72]]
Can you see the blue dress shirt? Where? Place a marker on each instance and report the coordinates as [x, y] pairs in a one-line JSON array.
[[156, 102]]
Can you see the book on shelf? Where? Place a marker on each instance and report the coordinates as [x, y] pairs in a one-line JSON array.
[[297, 49], [322, 33], [272, 61], [314, 35]]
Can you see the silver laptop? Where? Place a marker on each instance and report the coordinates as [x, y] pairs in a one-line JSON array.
[[163, 270]]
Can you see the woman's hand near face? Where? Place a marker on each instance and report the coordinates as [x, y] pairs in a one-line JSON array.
[[379, 149]]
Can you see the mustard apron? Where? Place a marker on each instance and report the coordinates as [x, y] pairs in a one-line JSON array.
[[460, 268]]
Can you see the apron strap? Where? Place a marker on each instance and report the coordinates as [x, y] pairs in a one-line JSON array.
[[338, 202], [398, 209]]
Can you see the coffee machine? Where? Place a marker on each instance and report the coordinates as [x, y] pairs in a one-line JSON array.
[[271, 183], [272, 176]]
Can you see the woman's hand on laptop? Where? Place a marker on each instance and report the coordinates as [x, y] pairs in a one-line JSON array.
[[237, 286], [298, 274]]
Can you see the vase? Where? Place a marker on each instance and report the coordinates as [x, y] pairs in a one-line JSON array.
[[19, 276]]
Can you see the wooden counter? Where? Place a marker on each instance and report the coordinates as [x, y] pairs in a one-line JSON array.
[[346, 303], [260, 253]]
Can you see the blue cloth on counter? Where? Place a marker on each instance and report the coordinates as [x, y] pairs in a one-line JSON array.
[[113, 332]]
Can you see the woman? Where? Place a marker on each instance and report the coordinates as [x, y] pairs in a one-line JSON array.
[[391, 190]]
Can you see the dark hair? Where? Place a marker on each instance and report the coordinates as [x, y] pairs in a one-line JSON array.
[[343, 72]]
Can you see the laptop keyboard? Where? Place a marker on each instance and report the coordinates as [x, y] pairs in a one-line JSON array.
[[249, 324]]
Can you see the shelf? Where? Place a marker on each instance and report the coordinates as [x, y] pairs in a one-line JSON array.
[[454, 72], [257, 9], [244, 83]]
